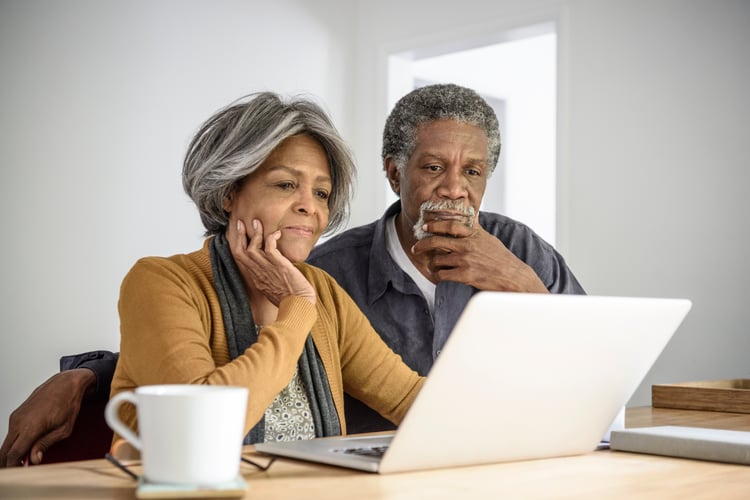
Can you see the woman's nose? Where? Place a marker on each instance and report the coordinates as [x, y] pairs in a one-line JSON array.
[[305, 203]]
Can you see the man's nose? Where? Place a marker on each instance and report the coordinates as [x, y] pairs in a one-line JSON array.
[[452, 185]]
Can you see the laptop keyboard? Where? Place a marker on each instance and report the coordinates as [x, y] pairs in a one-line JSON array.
[[367, 451]]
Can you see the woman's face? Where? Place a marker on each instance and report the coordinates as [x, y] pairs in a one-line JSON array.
[[289, 192]]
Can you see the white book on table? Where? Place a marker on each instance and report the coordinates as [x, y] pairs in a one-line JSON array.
[[716, 445]]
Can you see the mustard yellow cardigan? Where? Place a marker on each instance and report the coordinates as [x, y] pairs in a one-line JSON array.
[[172, 332]]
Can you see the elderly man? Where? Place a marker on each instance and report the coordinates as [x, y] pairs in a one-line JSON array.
[[411, 272]]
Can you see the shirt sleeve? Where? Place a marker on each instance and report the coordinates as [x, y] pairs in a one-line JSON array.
[[102, 363]]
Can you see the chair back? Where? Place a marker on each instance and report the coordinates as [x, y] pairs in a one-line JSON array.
[[91, 437]]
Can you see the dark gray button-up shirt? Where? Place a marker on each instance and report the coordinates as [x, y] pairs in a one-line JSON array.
[[359, 261]]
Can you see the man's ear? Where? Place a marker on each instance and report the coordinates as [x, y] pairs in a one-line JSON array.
[[393, 173]]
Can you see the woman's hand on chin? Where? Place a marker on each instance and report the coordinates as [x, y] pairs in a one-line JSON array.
[[263, 267]]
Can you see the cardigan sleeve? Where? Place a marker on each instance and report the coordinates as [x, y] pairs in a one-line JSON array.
[[168, 336], [371, 371]]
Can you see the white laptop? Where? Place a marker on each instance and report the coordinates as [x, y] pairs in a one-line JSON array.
[[522, 376]]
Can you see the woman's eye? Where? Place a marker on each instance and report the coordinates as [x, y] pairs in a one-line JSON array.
[[286, 185], [323, 195]]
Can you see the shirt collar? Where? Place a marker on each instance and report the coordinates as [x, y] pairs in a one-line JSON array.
[[383, 270]]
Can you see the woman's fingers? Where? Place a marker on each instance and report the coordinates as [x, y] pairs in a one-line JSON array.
[[262, 263], [271, 249], [256, 235]]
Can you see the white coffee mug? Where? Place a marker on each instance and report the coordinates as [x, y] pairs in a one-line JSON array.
[[187, 434]]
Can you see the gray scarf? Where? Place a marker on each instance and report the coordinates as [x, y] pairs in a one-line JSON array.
[[240, 331]]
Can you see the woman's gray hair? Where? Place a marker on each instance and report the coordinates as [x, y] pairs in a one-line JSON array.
[[235, 141], [438, 102]]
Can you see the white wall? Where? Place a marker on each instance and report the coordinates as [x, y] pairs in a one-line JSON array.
[[100, 98], [655, 201]]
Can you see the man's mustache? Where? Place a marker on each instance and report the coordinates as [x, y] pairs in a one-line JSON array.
[[455, 206]]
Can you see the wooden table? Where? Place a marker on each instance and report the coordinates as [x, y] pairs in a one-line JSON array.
[[600, 474]]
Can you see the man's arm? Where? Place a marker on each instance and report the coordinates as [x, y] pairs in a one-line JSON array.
[[49, 413], [101, 363]]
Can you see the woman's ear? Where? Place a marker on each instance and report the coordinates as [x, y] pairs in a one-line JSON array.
[[393, 173], [227, 203]]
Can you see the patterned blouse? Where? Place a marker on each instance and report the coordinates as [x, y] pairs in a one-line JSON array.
[[289, 417]]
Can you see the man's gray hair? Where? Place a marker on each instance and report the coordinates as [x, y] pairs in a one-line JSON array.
[[438, 102], [236, 140]]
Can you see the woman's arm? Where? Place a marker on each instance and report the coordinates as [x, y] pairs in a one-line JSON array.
[[172, 332], [371, 371]]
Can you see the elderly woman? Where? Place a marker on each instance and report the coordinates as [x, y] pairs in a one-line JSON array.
[[268, 178]]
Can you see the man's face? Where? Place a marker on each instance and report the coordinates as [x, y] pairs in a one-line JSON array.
[[448, 169]]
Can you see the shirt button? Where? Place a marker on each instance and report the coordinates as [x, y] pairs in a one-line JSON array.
[[437, 353]]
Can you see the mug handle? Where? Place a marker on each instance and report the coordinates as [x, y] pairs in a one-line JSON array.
[[111, 415]]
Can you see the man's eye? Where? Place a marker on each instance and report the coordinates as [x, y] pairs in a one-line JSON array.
[[433, 168], [473, 172]]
